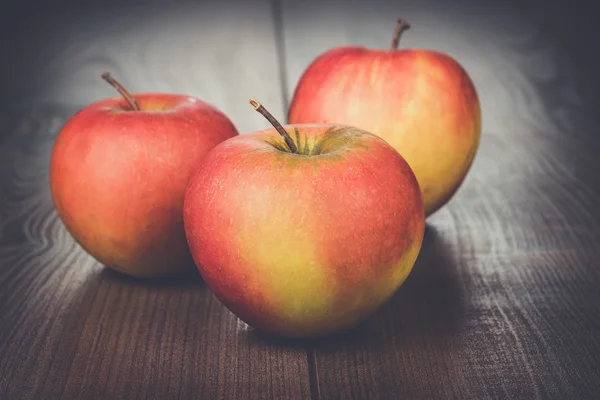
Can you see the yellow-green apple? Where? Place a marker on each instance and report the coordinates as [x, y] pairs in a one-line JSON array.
[[422, 102], [305, 236], [118, 173]]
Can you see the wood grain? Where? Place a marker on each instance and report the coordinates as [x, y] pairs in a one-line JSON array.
[[503, 301], [68, 327], [224, 53]]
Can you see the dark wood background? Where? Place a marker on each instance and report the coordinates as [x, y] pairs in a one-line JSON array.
[[504, 301]]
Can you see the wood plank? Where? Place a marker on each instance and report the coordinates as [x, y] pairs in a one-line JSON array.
[[502, 302], [68, 327]]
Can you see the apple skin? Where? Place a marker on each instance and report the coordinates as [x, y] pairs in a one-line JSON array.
[[118, 178], [422, 102], [303, 245]]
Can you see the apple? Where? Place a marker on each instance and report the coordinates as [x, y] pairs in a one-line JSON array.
[[422, 102], [307, 236], [118, 173]]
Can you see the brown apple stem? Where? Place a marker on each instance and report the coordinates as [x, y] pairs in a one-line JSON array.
[[258, 107], [126, 95], [401, 27]]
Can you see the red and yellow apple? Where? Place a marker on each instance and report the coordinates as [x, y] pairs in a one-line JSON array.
[[305, 236], [422, 102], [118, 173]]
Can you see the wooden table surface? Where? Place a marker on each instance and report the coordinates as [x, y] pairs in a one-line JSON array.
[[504, 301]]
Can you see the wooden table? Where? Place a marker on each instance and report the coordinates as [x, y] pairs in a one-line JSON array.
[[504, 301]]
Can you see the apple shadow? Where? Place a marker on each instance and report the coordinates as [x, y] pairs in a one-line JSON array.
[[189, 278], [429, 305]]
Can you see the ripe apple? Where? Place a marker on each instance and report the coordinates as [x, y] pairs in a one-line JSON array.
[[118, 173], [422, 102], [305, 236]]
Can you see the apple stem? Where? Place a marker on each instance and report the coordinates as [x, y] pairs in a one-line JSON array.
[[400, 27], [258, 107], [126, 95]]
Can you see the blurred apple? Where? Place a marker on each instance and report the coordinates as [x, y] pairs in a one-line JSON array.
[[305, 236], [422, 102], [118, 174]]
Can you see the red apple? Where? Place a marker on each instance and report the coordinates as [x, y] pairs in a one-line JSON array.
[[422, 102], [304, 236], [118, 174]]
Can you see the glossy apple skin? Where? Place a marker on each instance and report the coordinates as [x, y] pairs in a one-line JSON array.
[[421, 102], [118, 178], [304, 245]]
